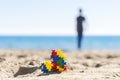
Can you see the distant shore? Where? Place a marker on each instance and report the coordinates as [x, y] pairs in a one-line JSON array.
[[82, 65]]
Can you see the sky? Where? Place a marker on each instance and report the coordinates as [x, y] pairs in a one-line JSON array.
[[58, 17]]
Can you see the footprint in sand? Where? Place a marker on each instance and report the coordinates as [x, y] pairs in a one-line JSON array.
[[21, 56], [2, 59]]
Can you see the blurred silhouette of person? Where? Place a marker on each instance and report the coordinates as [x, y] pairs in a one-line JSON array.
[[80, 20]]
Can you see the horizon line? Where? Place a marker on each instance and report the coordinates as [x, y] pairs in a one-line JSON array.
[[57, 35]]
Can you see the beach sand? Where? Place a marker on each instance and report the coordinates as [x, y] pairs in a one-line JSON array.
[[82, 65]]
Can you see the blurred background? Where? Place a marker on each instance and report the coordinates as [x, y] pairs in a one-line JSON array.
[[51, 24]]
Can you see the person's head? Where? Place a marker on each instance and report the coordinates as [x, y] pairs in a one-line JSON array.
[[80, 10]]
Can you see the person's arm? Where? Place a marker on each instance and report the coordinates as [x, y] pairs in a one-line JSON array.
[[85, 24]]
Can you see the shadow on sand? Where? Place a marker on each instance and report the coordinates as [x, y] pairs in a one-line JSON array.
[[46, 74], [25, 70]]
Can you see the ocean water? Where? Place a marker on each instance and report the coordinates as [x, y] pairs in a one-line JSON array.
[[62, 42]]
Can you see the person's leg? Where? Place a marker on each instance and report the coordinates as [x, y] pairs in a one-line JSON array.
[[79, 40]]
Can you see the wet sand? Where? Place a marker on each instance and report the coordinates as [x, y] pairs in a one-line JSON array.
[[82, 65]]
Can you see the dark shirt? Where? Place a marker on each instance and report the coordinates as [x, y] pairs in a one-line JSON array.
[[80, 20]]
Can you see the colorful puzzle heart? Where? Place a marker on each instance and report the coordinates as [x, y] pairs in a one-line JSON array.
[[56, 64]]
